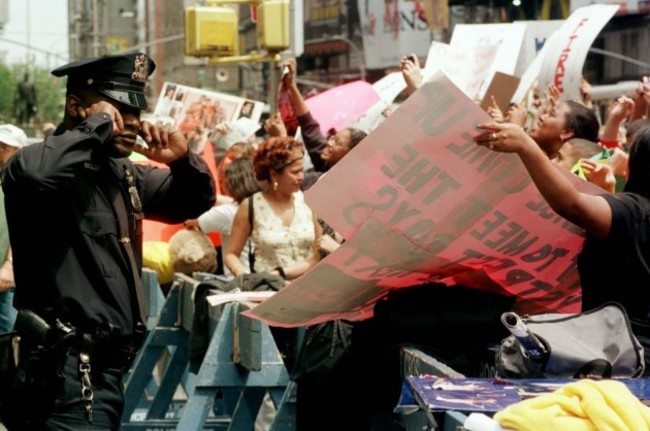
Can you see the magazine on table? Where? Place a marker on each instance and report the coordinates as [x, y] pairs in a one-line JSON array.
[[492, 394]]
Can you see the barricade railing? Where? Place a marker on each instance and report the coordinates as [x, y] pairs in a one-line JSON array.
[[241, 365]]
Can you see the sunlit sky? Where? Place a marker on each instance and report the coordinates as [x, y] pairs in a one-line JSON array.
[[41, 24]]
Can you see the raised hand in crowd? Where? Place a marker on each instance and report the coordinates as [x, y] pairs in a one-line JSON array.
[[619, 111], [411, 71], [289, 79], [549, 100], [222, 128], [516, 114], [538, 97], [290, 70], [494, 111], [600, 174], [642, 99], [586, 93], [619, 162], [553, 94], [274, 126]]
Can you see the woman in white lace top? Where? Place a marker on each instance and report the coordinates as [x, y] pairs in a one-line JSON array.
[[285, 231]]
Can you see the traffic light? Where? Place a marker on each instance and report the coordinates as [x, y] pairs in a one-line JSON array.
[[211, 31], [273, 23]]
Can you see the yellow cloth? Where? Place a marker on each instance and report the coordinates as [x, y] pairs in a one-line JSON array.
[[155, 255], [584, 405]]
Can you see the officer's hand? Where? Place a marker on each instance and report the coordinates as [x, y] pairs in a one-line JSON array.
[[105, 107], [164, 142]]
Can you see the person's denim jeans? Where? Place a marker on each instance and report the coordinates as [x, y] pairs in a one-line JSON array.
[[7, 311]]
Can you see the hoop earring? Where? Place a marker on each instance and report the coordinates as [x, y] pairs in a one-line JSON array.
[[275, 185]]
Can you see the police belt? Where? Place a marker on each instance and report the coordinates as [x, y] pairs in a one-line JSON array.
[[105, 346], [107, 351]]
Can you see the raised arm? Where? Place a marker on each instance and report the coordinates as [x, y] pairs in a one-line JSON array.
[[590, 212], [289, 79], [617, 113], [411, 72], [312, 136]]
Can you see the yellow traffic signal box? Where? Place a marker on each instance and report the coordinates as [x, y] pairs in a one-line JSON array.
[[211, 31], [273, 25]]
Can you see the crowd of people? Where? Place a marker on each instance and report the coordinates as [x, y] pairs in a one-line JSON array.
[[569, 134], [90, 249]]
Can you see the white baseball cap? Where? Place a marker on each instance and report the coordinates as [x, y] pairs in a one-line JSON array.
[[12, 136]]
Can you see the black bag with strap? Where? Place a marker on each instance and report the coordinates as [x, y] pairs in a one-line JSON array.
[[323, 347], [251, 254]]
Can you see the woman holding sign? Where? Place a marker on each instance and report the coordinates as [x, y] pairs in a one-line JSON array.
[[614, 264]]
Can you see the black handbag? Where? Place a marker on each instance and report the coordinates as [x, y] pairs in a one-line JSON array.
[[323, 347]]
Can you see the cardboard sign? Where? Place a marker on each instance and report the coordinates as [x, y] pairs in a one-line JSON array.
[[502, 88], [418, 201]]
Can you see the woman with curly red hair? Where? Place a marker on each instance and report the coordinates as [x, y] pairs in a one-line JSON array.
[[285, 231]]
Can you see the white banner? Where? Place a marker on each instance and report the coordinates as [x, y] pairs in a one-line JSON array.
[[529, 78], [536, 35], [626, 6], [391, 30], [563, 61], [467, 68], [390, 86], [478, 37]]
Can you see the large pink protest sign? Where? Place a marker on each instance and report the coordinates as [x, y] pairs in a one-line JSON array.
[[419, 202]]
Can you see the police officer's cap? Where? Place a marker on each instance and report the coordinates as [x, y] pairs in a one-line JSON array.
[[120, 77]]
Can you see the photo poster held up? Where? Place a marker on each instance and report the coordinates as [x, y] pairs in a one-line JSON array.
[[196, 112], [423, 203]]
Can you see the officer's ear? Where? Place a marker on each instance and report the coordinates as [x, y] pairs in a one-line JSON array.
[[74, 106]]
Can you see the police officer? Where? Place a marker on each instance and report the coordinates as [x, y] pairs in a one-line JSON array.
[[74, 207]]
